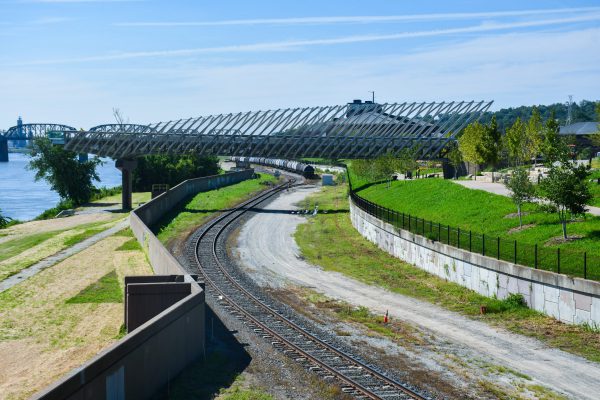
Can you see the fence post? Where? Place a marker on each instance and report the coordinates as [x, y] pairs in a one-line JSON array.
[[498, 242], [448, 234], [439, 231], [458, 237], [423, 226], [409, 222], [483, 246], [585, 265], [558, 260], [535, 257], [470, 240], [515, 251]]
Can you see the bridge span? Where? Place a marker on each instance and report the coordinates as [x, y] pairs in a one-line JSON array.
[[353, 130]]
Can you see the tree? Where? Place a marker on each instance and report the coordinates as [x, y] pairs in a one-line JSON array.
[[384, 167], [172, 169], [71, 179], [596, 136], [455, 158], [533, 135], [4, 221], [407, 161], [566, 188], [491, 143], [514, 141], [553, 147], [470, 143], [521, 188]]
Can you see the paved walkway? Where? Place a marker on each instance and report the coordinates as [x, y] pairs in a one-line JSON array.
[[267, 248], [60, 256], [499, 188]]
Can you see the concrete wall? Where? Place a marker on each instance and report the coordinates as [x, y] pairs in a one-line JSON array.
[[142, 362], [571, 300]]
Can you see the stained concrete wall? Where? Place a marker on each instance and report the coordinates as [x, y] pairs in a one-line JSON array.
[[571, 300], [145, 360]]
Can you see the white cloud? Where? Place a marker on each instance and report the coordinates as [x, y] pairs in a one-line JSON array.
[[365, 19], [292, 44], [512, 69]]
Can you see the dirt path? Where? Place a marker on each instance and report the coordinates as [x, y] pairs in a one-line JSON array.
[[499, 188], [267, 248]]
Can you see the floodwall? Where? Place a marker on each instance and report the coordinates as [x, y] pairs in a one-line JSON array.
[[571, 300], [146, 359]]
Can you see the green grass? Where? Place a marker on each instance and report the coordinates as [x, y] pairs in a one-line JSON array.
[[105, 290], [330, 240], [136, 198], [131, 244], [201, 207], [80, 237], [12, 247], [448, 203]]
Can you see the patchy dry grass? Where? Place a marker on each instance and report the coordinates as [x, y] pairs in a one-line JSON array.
[[44, 335]]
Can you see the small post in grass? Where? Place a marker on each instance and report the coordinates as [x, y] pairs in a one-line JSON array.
[[470, 241], [558, 260], [585, 265], [439, 231], [535, 257], [515, 251], [448, 234], [458, 237], [498, 243]]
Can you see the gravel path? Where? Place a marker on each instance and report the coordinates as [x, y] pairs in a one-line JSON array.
[[61, 255], [499, 188], [267, 248]]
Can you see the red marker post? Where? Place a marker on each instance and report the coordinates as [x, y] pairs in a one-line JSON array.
[[385, 317]]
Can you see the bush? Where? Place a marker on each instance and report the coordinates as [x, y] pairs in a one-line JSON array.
[[51, 212], [102, 192]]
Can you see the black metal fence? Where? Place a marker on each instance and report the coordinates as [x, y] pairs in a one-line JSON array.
[[569, 262]]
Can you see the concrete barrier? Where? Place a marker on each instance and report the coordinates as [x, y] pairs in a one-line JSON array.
[[145, 360], [571, 300]]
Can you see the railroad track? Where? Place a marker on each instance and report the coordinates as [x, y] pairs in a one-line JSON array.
[[278, 324]]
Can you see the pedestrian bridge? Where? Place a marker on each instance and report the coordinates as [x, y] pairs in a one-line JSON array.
[[354, 130]]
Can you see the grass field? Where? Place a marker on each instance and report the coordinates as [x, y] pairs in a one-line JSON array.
[[330, 240], [137, 198], [25, 250], [595, 189], [447, 203], [201, 207], [66, 314]]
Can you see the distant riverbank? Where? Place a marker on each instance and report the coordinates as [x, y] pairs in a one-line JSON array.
[[22, 198]]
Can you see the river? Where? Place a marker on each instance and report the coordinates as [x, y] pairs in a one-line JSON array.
[[22, 198]]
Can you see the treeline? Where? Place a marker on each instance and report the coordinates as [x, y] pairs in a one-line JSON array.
[[172, 169], [584, 111]]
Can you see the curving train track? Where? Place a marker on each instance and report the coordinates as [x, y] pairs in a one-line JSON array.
[[276, 323]]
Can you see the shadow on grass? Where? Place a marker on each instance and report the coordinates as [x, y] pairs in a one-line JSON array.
[[225, 359], [104, 290]]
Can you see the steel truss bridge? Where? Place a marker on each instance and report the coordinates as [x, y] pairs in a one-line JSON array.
[[353, 130]]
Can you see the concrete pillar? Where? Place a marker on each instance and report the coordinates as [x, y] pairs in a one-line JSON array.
[[3, 149], [82, 157], [126, 166]]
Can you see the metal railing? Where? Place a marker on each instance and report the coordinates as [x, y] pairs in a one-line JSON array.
[[563, 261]]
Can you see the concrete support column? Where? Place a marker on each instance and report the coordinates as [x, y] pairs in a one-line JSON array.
[[3, 149], [126, 166]]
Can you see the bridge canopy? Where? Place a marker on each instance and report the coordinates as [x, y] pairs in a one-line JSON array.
[[354, 130]]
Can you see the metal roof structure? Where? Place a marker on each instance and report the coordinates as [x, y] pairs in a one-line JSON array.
[[580, 128], [354, 130]]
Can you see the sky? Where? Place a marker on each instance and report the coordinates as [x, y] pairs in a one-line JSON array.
[[74, 61]]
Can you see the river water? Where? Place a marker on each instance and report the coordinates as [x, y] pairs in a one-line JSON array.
[[22, 198]]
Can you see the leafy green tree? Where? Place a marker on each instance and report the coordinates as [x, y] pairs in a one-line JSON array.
[[71, 179], [534, 135], [470, 143], [491, 144], [566, 188], [4, 221], [455, 158], [407, 161], [596, 137], [553, 147], [521, 189], [172, 169], [514, 141]]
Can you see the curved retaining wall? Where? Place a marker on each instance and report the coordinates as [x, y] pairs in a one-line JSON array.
[[571, 300]]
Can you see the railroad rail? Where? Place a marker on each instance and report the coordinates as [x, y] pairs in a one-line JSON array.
[[271, 321]]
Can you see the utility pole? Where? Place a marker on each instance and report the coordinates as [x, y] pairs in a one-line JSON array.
[[569, 111], [373, 93]]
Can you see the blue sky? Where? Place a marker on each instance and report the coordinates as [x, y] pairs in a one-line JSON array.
[[72, 61]]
